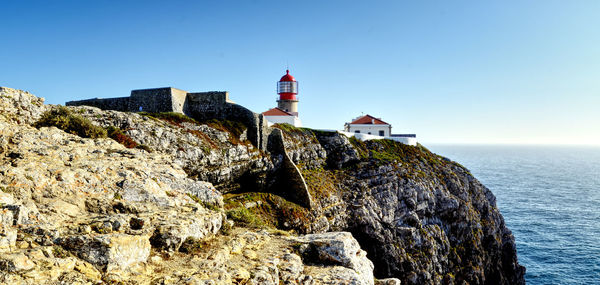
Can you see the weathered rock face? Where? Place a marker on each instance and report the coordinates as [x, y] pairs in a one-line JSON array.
[[89, 198], [88, 210], [109, 251], [420, 217], [205, 153], [338, 248]]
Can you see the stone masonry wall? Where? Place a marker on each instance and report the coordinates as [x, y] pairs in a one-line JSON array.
[[201, 106], [152, 100], [117, 104]]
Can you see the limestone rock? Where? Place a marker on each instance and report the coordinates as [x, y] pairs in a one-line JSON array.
[[88, 270], [15, 262], [388, 281], [338, 248], [172, 231], [8, 238], [290, 268], [20, 106], [110, 251]]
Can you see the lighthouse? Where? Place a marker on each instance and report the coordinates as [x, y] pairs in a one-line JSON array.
[[287, 88], [287, 104]]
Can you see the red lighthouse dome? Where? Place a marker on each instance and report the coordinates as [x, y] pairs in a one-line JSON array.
[[287, 76], [287, 87]]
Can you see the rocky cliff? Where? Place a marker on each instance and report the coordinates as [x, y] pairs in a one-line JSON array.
[[165, 199]]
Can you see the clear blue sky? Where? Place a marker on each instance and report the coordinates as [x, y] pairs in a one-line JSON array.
[[449, 71]]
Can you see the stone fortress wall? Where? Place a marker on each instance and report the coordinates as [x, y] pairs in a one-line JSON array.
[[199, 105], [214, 105]]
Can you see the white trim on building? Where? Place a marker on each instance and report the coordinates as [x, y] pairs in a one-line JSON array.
[[408, 140]]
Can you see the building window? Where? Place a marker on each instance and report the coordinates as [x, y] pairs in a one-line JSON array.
[[357, 132], [381, 133]]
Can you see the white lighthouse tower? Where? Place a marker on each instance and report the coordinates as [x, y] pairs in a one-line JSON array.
[[287, 104]]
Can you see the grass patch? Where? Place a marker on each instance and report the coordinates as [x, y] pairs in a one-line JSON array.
[[205, 138], [235, 129], [69, 122], [321, 183], [120, 137], [292, 131], [271, 211], [171, 117], [287, 128], [245, 217], [389, 150], [360, 146]]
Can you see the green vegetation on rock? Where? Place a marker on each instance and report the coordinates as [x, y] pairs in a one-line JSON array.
[[245, 217], [119, 136], [171, 117], [321, 183], [234, 128], [69, 122], [265, 210]]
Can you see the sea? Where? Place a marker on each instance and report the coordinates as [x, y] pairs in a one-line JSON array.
[[550, 199]]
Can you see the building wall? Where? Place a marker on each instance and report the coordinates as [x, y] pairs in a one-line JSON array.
[[372, 129], [292, 120], [206, 105], [408, 140], [151, 100], [178, 97]]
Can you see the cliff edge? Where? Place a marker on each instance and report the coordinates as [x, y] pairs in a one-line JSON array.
[[160, 198]]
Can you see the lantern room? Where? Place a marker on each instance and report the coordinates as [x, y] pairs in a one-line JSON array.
[[287, 87]]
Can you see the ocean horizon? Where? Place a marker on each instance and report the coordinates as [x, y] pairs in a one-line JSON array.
[[548, 195]]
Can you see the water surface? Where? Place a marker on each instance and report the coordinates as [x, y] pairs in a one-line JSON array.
[[550, 199]]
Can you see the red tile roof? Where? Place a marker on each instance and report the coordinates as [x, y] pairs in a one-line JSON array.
[[276, 112], [368, 120]]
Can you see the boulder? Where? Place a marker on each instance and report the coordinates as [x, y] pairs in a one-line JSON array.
[[109, 251], [341, 249], [172, 230]]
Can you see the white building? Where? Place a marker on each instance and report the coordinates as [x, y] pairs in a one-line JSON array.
[[278, 116], [369, 125], [370, 128]]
